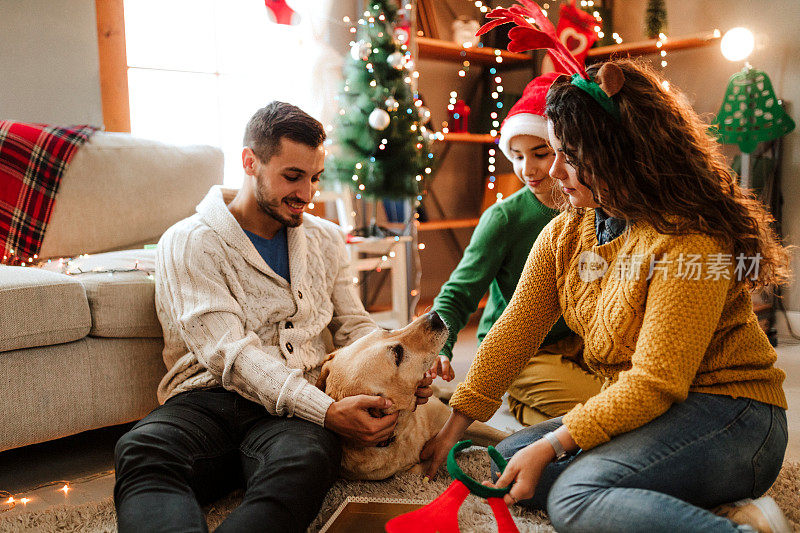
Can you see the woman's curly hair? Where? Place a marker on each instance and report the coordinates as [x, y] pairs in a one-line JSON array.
[[659, 165]]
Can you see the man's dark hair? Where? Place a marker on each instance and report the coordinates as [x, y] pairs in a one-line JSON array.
[[277, 120]]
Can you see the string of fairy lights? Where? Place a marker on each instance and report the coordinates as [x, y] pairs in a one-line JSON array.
[[11, 500]]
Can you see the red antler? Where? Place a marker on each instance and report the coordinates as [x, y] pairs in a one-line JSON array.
[[531, 36]]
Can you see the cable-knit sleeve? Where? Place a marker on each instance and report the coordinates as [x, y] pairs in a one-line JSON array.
[[681, 315], [192, 288], [516, 335]]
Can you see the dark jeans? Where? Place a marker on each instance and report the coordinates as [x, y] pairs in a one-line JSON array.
[[663, 476], [202, 444]]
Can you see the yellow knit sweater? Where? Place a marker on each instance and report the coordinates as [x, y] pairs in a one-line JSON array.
[[689, 327]]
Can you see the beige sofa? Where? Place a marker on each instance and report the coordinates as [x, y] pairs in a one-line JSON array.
[[81, 351]]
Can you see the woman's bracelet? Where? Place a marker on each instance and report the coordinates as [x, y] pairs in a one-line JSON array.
[[561, 453]]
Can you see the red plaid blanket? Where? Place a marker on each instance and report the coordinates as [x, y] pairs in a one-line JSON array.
[[33, 157]]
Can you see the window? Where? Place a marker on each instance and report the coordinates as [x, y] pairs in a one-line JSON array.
[[198, 69]]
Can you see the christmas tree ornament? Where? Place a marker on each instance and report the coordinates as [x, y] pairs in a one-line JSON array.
[[656, 18], [282, 13], [441, 515], [391, 103], [576, 32], [401, 35], [360, 50], [379, 119], [395, 60]]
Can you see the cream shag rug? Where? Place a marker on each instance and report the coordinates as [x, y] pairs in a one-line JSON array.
[[475, 514]]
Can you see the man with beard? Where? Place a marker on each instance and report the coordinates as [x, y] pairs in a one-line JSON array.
[[244, 292]]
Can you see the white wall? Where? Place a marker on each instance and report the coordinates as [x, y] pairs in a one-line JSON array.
[[703, 74], [48, 62]]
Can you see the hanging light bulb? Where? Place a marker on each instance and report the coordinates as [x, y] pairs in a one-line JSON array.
[[737, 44]]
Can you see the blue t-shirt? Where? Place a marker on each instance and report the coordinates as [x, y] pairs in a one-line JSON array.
[[275, 251]]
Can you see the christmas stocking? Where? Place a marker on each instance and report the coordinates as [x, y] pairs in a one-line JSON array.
[[282, 13], [576, 31]]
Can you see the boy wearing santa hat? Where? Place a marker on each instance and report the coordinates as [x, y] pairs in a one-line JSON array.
[[554, 379]]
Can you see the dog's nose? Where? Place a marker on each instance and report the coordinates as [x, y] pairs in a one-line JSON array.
[[436, 322]]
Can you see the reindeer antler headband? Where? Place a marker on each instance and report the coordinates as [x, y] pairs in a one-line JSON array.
[[541, 34]]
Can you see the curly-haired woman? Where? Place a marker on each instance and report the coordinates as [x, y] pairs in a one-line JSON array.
[[652, 263]]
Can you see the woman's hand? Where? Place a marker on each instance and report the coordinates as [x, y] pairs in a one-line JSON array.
[[442, 368], [524, 470], [435, 451]]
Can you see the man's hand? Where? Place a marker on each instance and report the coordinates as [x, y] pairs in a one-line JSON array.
[[350, 418], [442, 368], [424, 390]]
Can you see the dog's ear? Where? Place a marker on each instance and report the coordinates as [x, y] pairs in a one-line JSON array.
[[322, 380]]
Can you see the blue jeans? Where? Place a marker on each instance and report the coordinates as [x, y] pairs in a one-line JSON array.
[[663, 476], [202, 444]]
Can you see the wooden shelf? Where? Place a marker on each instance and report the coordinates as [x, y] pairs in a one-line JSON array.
[[481, 138], [440, 50], [649, 47], [453, 223]]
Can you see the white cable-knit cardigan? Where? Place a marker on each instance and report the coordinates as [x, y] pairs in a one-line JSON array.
[[229, 320]]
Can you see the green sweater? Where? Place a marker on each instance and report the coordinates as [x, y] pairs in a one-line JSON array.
[[494, 260]]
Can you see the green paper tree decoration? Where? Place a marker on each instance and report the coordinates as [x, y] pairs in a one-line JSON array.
[[750, 111], [379, 145], [656, 20]]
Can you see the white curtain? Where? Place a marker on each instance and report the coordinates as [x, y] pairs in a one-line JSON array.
[[198, 69]]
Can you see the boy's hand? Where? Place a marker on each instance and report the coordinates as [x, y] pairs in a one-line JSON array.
[[442, 368]]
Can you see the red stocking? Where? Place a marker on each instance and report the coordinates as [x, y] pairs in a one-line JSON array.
[[576, 30], [282, 13]]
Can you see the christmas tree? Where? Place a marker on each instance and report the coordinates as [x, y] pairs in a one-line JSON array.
[[379, 146], [656, 18]]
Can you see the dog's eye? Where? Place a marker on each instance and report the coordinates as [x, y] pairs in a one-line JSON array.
[[397, 350]]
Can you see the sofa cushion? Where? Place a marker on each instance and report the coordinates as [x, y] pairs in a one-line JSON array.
[[120, 191], [40, 308], [121, 292]]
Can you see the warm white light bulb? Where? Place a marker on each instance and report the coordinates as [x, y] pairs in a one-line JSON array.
[[737, 44]]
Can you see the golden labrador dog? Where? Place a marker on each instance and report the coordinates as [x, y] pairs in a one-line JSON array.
[[390, 364]]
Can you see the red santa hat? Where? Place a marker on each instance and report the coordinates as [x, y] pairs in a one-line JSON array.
[[526, 117]]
